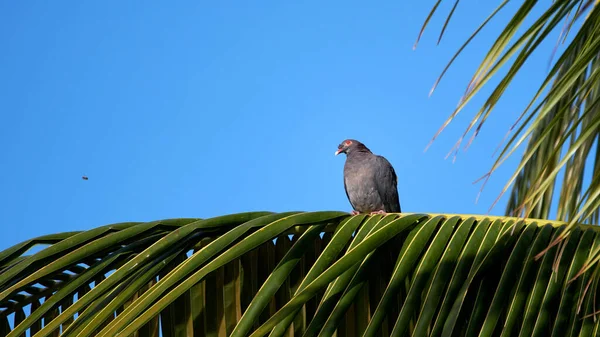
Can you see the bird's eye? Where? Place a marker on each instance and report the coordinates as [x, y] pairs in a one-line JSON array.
[[348, 142]]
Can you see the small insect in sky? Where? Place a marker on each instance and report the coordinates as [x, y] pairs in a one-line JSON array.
[[84, 178]]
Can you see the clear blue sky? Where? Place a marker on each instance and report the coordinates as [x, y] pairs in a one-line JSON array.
[[198, 109]]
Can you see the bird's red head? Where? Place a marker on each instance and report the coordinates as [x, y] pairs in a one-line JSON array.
[[349, 145]]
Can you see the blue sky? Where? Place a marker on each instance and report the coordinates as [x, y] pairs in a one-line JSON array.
[[198, 109]]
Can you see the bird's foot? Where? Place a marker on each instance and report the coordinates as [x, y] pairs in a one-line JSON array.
[[378, 212], [355, 212]]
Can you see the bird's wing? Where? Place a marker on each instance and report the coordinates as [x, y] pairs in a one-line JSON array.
[[347, 196], [387, 185]]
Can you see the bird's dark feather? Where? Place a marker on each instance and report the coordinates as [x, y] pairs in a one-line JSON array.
[[347, 196], [387, 182]]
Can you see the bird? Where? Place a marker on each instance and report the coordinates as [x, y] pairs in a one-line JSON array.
[[370, 181]]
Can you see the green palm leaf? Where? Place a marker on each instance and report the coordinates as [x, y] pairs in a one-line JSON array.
[[327, 273], [561, 124]]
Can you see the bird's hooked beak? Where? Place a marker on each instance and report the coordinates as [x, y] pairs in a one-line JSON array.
[[339, 151]]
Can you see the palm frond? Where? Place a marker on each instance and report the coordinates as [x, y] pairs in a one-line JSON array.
[[306, 274], [561, 124]]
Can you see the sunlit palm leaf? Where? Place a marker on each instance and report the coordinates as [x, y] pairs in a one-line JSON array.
[[327, 273]]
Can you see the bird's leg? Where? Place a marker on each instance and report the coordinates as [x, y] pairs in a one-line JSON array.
[[378, 212], [354, 212]]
